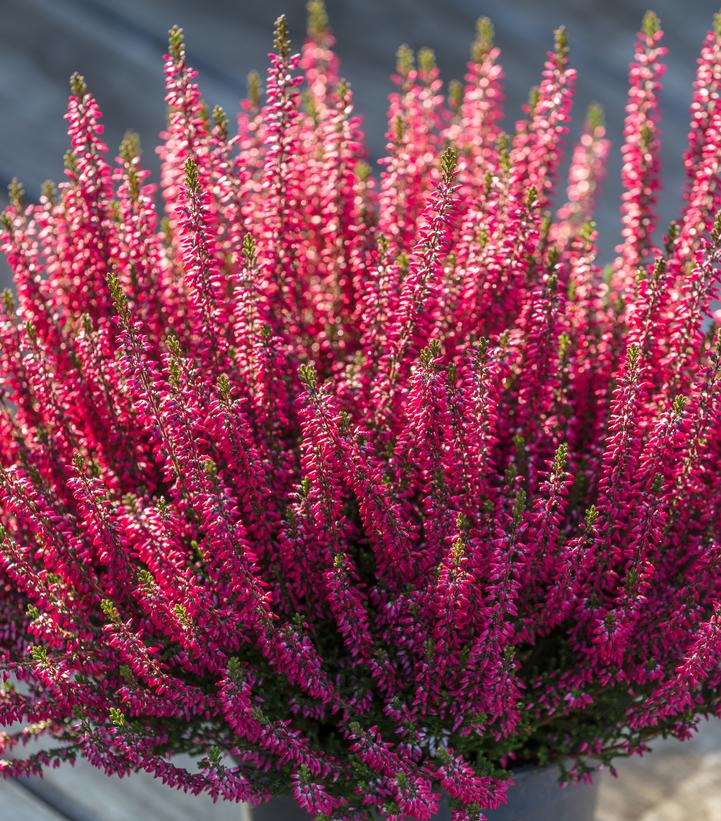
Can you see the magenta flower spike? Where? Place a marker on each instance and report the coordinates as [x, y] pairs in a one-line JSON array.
[[365, 489]]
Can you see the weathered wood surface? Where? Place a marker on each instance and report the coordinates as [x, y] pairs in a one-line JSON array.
[[81, 793], [18, 803], [119, 46]]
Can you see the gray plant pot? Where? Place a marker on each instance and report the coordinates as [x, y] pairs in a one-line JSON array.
[[535, 797]]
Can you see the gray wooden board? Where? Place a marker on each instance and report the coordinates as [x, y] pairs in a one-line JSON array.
[[17, 804], [118, 46], [82, 793]]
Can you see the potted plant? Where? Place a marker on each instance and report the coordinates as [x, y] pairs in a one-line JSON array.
[[373, 492]]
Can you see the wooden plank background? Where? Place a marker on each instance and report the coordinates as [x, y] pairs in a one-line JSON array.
[[118, 46]]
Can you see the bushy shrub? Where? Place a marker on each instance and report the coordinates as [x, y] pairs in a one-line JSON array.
[[362, 488]]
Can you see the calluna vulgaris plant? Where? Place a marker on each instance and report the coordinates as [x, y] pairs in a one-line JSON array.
[[362, 489]]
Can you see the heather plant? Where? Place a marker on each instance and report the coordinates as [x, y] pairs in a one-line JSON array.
[[362, 487]]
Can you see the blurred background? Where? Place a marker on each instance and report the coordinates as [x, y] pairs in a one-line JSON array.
[[118, 46]]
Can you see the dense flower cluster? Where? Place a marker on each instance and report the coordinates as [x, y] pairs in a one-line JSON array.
[[364, 489]]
